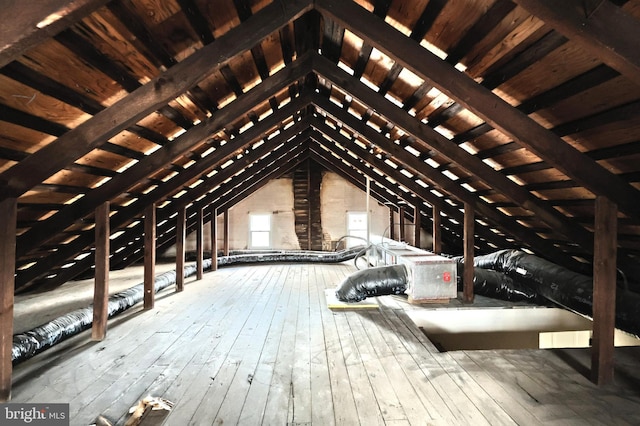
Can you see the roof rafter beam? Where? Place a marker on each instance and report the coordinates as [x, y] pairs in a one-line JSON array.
[[369, 159], [163, 157], [148, 98], [484, 103], [30, 24], [440, 181], [430, 139]]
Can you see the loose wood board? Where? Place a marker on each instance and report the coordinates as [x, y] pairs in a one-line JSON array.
[[334, 303]]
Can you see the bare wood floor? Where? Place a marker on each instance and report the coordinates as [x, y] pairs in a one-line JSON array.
[[257, 345]]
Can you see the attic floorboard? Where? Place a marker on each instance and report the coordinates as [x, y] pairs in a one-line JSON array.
[[257, 345]]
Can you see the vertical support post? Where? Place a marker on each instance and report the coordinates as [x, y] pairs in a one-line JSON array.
[[467, 278], [101, 289], [8, 219], [604, 290], [437, 231], [402, 236], [214, 238], [200, 244], [225, 218], [367, 206], [149, 256], [392, 224], [181, 236], [309, 236], [417, 226]]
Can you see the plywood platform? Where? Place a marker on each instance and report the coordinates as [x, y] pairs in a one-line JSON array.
[[258, 345]]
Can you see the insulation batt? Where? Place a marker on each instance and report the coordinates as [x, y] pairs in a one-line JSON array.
[[378, 281]]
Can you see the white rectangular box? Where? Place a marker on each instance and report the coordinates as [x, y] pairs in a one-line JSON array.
[[432, 278]]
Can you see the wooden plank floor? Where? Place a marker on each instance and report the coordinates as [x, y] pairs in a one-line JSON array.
[[257, 345]]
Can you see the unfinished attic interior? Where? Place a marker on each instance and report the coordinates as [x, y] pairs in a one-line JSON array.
[[240, 141]]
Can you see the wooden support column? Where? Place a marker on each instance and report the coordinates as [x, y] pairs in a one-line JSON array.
[[200, 244], [8, 217], [101, 289], [437, 231], [467, 277], [604, 290], [226, 232], [417, 226], [392, 224], [402, 236], [214, 239], [180, 247], [149, 256]]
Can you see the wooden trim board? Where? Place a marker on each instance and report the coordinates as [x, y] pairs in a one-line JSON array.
[[334, 303]]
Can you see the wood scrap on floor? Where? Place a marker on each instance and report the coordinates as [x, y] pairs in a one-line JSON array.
[[149, 411]]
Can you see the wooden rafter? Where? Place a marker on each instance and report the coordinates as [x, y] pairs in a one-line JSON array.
[[430, 139], [24, 26], [484, 103], [148, 98]]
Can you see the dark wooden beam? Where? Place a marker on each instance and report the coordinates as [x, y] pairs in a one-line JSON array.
[[41, 232], [214, 238], [443, 183], [479, 30], [427, 18], [8, 219], [392, 223], [484, 103], [417, 226], [29, 25], [101, 290], [402, 224], [181, 223], [137, 208], [336, 157], [146, 99], [436, 231], [149, 256], [225, 221], [200, 244], [600, 28], [604, 291], [332, 40], [467, 276], [429, 139]]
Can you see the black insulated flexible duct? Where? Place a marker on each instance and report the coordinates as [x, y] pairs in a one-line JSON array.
[[377, 281], [561, 286], [498, 285], [36, 340], [45, 336]]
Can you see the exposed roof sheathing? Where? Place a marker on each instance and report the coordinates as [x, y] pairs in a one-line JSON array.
[[525, 110]]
